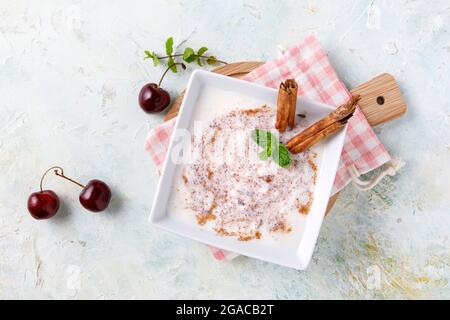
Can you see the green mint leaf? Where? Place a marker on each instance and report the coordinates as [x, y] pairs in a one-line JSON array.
[[271, 147], [281, 156], [200, 52], [211, 60], [169, 46], [171, 64], [255, 135], [189, 55], [155, 58], [263, 139]]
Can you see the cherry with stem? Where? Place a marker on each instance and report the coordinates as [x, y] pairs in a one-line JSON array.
[[153, 98], [94, 196], [43, 204]]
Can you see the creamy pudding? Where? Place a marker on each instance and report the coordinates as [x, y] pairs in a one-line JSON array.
[[226, 188]]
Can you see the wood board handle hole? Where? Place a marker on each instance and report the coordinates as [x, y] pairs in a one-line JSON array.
[[380, 100]]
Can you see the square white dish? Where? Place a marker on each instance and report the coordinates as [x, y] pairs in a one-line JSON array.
[[200, 88]]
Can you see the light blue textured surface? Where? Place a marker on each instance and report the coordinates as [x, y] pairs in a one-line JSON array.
[[70, 73]]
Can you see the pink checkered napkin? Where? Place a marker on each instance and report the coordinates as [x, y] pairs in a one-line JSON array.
[[317, 80]]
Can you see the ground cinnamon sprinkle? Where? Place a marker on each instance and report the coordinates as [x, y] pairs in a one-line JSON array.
[[185, 179], [281, 227], [222, 232], [252, 112], [216, 132], [314, 169], [313, 165], [240, 236], [245, 237], [204, 218], [213, 206], [210, 174], [305, 208]]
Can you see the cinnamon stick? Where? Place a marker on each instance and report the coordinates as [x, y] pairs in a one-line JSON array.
[[334, 128], [286, 105], [292, 101], [331, 123], [282, 108]]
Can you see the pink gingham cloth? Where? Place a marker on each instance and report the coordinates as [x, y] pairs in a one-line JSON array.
[[308, 64]]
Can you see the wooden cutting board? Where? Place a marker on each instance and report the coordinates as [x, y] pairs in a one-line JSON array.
[[381, 99]]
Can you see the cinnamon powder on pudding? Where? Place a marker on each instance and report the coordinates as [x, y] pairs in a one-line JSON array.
[[304, 208], [239, 194]]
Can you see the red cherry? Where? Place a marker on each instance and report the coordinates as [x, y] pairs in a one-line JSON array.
[[43, 204], [95, 196], [153, 98]]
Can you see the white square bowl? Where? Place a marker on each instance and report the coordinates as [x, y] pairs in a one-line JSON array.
[[297, 257]]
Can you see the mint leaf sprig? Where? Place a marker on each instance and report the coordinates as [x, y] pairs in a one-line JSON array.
[[189, 55], [272, 147]]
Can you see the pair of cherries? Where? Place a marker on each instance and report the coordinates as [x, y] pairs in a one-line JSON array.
[[44, 204]]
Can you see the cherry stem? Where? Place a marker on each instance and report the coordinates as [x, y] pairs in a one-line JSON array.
[[60, 173], [67, 178], [167, 70], [201, 56]]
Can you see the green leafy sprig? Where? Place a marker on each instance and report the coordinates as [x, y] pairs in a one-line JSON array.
[[189, 55], [272, 147]]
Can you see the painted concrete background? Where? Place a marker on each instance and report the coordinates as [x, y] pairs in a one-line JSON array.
[[70, 73]]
